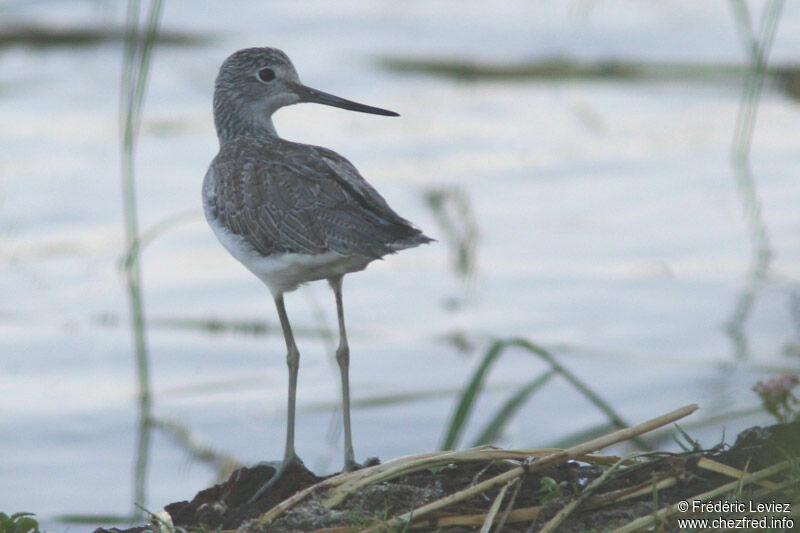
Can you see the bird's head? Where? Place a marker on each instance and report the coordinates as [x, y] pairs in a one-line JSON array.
[[255, 82]]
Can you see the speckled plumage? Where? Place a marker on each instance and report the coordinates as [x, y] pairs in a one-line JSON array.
[[292, 213], [279, 197], [285, 197]]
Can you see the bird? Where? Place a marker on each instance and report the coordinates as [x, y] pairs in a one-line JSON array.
[[293, 213]]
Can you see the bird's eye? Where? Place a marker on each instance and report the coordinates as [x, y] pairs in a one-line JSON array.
[[266, 74]]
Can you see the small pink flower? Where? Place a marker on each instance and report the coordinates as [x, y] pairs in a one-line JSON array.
[[777, 398]]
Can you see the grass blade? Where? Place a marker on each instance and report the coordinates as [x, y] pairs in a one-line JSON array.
[[584, 389], [137, 52], [498, 423], [465, 404]]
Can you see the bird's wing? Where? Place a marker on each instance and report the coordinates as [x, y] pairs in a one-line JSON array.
[[284, 197]]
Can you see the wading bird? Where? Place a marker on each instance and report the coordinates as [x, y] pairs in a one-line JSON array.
[[292, 213]]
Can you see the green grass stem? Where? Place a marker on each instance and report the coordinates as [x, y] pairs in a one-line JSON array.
[[136, 66], [500, 420], [469, 396]]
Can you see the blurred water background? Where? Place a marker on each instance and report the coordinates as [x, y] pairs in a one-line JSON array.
[[573, 159]]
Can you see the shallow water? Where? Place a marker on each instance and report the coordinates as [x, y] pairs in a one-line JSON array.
[[609, 229]]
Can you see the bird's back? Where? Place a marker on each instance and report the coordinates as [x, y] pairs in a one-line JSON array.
[[267, 197]]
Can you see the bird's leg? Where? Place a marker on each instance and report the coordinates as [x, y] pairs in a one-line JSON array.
[[293, 362], [290, 458], [343, 358]]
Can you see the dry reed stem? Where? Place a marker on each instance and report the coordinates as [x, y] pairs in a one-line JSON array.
[[490, 516], [395, 468], [406, 465], [725, 470], [565, 511], [346, 478], [607, 498], [646, 521], [524, 514], [549, 460], [509, 507], [342, 485]]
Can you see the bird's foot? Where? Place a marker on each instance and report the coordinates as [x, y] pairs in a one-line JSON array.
[[280, 468], [350, 465]]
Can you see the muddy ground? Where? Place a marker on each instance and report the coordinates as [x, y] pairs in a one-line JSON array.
[[225, 506]]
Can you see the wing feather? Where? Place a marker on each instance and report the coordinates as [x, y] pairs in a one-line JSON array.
[[284, 197]]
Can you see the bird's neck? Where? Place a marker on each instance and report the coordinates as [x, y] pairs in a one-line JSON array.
[[242, 123], [228, 131]]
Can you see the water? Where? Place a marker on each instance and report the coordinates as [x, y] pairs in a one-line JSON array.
[[609, 229]]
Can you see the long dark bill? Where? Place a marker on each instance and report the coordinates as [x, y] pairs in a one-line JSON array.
[[307, 94]]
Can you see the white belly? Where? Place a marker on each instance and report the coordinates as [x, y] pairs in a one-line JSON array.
[[285, 272]]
